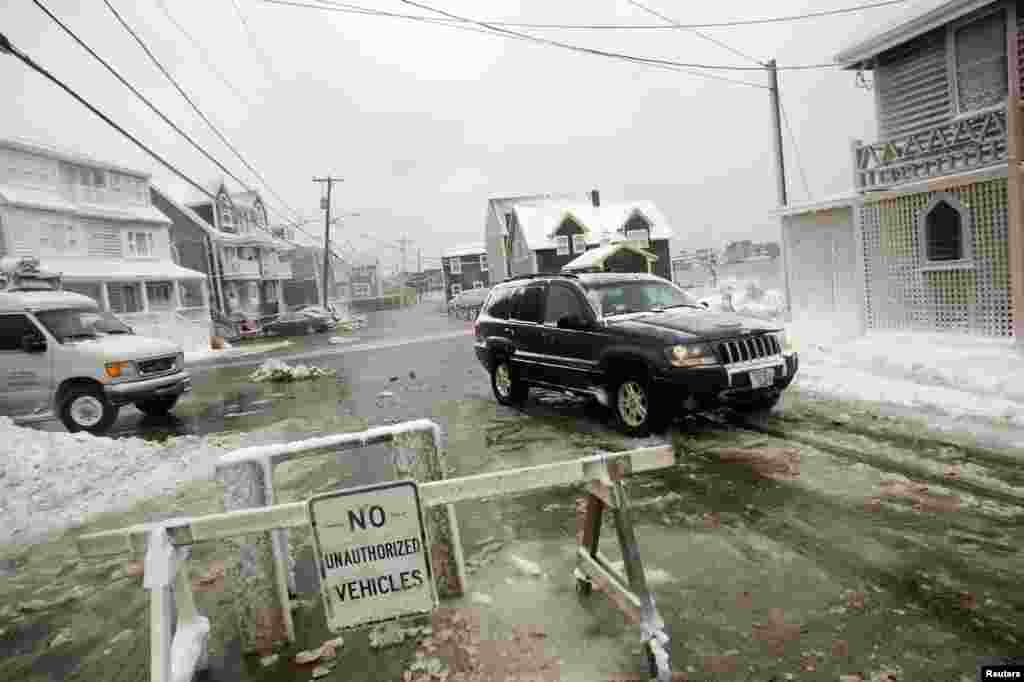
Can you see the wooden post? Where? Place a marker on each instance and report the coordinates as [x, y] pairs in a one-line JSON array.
[[158, 575], [1015, 193], [418, 455], [262, 618]]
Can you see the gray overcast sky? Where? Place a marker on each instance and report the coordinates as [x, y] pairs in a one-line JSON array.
[[425, 122]]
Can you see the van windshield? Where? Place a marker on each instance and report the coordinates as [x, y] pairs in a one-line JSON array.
[[73, 324]]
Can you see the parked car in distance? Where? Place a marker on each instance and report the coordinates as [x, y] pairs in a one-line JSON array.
[[328, 315], [636, 343], [296, 323], [60, 352], [467, 304]]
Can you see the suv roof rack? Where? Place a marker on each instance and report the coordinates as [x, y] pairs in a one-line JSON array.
[[539, 275]]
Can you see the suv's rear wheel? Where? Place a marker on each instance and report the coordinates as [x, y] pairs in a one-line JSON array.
[[508, 389], [636, 413], [85, 408]]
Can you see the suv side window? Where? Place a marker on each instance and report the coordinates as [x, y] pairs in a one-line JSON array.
[[12, 329], [529, 304], [500, 305], [562, 301]]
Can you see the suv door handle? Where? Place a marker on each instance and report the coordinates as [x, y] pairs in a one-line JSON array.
[[510, 331]]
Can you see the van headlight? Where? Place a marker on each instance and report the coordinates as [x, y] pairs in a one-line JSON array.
[[179, 362], [692, 355], [121, 370]]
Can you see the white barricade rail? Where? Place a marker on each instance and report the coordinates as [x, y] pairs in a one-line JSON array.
[[165, 543]]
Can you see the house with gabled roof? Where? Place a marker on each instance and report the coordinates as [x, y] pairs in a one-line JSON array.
[[546, 233]]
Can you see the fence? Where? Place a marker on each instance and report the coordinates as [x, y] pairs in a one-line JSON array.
[[178, 651]]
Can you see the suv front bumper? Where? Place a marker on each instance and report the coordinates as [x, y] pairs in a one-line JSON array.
[[707, 387], [161, 387]]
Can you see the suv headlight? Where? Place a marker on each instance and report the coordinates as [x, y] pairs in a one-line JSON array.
[[691, 355], [120, 370], [179, 362]]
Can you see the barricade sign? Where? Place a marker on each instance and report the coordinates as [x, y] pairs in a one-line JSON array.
[[371, 548]]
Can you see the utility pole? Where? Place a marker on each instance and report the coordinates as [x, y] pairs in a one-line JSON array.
[[419, 264], [777, 130], [326, 205]]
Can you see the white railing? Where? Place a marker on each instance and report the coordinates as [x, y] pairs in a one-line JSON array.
[[956, 146], [177, 653]]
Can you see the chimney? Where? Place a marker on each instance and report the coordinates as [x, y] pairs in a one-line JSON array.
[[595, 198]]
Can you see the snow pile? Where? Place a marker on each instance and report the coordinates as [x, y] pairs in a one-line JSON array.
[[230, 351], [746, 297], [53, 480], [959, 374], [277, 371]]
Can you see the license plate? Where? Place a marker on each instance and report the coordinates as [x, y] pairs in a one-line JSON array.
[[762, 377]]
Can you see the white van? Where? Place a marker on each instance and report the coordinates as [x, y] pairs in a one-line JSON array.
[[60, 352]]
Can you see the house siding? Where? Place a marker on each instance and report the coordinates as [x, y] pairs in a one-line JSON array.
[[663, 266], [913, 86], [470, 274], [625, 261], [188, 238], [823, 269]]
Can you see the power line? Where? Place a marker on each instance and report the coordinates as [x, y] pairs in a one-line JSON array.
[[204, 55], [138, 94], [643, 27], [155, 110], [494, 27], [195, 108], [251, 39], [7, 47], [652, 63], [705, 36], [796, 152]]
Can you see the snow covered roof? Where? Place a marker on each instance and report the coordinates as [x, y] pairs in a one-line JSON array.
[[108, 269], [22, 300], [918, 19], [64, 154], [52, 201], [540, 219], [193, 197], [474, 249], [596, 257]]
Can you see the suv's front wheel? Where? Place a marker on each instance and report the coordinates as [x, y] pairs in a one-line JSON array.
[[86, 409], [636, 411], [508, 389]]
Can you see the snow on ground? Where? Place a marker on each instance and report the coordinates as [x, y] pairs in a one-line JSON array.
[[230, 351], [50, 481]]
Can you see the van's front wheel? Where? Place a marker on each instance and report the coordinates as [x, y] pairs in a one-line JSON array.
[[86, 409]]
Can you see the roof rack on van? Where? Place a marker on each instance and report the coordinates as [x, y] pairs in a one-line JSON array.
[[540, 275]]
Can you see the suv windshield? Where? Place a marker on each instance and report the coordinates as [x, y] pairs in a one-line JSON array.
[[623, 298], [70, 324]]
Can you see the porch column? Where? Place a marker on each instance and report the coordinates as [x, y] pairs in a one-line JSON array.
[[204, 292], [176, 286], [1015, 193], [143, 296], [104, 296]]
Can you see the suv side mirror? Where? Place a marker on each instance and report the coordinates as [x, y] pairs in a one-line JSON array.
[[573, 322], [33, 343]]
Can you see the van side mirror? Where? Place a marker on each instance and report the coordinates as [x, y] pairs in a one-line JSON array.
[[705, 304], [33, 343]]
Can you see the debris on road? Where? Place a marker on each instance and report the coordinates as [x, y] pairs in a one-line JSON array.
[[63, 637], [278, 372], [525, 566], [270, 660]]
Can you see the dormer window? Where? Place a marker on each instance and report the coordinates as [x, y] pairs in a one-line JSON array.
[[227, 213], [638, 229]]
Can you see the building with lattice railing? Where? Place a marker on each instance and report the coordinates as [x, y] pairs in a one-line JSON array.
[[930, 236]]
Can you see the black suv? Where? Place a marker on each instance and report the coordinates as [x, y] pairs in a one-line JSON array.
[[636, 343]]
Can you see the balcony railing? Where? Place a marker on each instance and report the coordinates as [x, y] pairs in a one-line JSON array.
[[241, 268], [955, 147]]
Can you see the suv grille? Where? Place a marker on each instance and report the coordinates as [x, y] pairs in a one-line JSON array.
[[750, 348], [158, 365]]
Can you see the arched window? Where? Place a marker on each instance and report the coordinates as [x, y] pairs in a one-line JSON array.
[[227, 213], [945, 237]]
